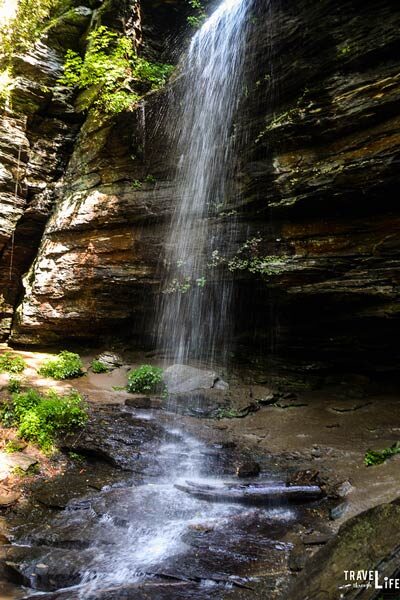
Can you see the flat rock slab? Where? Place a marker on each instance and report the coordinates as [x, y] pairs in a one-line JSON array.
[[60, 490], [204, 404], [17, 460], [183, 379]]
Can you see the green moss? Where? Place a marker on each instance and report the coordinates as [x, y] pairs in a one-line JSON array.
[[13, 446], [249, 258], [344, 50], [146, 379], [76, 457], [229, 413], [32, 470], [5, 87], [66, 365]]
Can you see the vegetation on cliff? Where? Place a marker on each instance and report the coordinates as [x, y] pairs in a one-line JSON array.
[[109, 70], [26, 25]]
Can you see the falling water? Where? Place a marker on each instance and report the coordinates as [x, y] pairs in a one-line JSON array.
[[194, 314]]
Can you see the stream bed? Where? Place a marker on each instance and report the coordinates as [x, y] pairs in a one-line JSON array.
[[133, 534]]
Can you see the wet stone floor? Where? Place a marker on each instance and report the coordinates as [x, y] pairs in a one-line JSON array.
[[130, 534]]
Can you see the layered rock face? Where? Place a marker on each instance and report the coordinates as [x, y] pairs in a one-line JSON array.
[[37, 131], [321, 181], [318, 180]]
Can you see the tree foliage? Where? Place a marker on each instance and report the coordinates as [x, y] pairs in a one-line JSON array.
[[26, 26]]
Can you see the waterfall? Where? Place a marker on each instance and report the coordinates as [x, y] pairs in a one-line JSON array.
[[194, 311]]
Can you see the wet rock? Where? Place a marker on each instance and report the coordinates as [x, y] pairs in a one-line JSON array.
[[184, 379], [345, 407], [117, 437], [367, 541], [60, 490], [159, 590], [316, 538], [316, 452], [256, 494], [201, 404], [248, 468], [297, 559], [344, 489], [143, 402], [268, 399], [44, 568], [338, 511], [304, 477]]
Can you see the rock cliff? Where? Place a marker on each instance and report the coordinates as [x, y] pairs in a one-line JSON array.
[[318, 178]]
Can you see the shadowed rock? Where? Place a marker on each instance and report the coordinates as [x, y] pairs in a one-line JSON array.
[[369, 541]]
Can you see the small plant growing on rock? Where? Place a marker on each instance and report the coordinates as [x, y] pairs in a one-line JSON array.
[[66, 365], [76, 457], [41, 417], [14, 446], [199, 15], [11, 363], [377, 457], [32, 470], [98, 367], [14, 385], [145, 379], [150, 179]]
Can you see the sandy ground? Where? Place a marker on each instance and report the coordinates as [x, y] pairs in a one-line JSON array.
[[331, 434]]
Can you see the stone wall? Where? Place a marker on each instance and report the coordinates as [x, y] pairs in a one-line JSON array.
[[318, 176]]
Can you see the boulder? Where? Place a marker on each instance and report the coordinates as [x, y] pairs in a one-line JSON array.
[[111, 360], [183, 378], [16, 461]]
